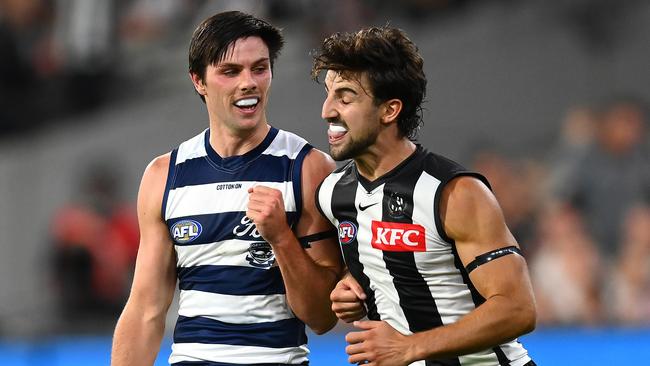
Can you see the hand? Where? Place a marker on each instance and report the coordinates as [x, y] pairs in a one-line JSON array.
[[347, 300], [378, 344], [266, 210]]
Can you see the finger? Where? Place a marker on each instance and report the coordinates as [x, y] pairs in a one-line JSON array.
[[344, 296], [359, 359], [347, 305], [353, 285], [366, 324], [252, 215], [355, 349], [351, 317], [355, 337]]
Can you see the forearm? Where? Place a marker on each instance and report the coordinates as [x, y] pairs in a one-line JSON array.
[[137, 339], [496, 321], [308, 285]]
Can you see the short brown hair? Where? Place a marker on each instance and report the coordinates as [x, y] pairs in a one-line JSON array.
[[392, 63]]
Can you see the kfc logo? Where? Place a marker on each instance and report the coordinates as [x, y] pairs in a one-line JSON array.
[[398, 237]]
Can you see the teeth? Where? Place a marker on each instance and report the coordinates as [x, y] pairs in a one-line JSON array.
[[337, 128], [246, 102]]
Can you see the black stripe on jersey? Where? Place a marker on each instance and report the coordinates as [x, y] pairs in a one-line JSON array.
[[501, 356], [416, 301], [477, 298], [343, 198]]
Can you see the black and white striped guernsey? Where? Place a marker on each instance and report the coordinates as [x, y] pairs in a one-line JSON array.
[[394, 245], [232, 308]]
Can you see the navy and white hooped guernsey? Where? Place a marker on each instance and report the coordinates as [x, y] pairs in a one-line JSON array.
[[233, 308]]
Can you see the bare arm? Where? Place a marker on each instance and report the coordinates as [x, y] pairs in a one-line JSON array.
[[140, 328], [309, 275], [473, 218]]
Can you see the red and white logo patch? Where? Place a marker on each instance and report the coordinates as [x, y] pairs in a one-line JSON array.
[[398, 237], [347, 232]]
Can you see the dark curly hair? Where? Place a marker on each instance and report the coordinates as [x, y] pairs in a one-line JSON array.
[[391, 62], [213, 36]]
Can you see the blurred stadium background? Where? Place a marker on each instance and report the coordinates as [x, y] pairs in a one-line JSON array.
[[548, 99]]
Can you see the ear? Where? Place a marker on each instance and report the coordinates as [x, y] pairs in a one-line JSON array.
[[198, 83], [390, 110]]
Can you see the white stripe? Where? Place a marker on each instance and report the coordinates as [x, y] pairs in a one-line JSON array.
[[436, 265], [487, 358], [237, 354], [285, 144], [207, 199], [192, 148], [325, 195], [233, 308], [381, 282], [515, 352], [223, 253]]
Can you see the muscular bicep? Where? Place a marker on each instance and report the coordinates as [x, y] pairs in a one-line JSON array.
[[473, 219], [155, 274], [325, 252]]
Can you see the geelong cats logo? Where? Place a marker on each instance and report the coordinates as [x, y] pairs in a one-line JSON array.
[[260, 255]]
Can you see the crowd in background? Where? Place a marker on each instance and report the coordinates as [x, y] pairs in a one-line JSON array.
[[581, 213]]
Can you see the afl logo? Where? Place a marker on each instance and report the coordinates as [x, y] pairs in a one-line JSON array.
[[347, 232], [186, 231]]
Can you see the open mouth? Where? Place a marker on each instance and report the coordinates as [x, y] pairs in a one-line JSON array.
[[247, 104], [335, 132]]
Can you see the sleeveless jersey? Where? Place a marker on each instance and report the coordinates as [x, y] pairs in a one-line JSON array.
[[232, 307], [394, 245]]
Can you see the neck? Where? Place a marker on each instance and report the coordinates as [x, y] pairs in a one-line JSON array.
[[381, 158], [227, 142]]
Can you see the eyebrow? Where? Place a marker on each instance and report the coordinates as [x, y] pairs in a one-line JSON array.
[[234, 64], [342, 89]]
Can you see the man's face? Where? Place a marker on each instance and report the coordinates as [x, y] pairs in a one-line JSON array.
[[236, 89], [353, 118]]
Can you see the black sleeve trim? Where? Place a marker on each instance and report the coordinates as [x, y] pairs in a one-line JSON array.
[[306, 241], [296, 178], [489, 256]]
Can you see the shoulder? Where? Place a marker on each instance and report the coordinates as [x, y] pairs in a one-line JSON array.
[[467, 205], [317, 165], [158, 166], [154, 179], [319, 158]]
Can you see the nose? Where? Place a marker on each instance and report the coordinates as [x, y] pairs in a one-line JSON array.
[[328, 112], [247, 81]]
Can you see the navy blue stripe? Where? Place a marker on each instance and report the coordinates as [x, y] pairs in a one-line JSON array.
[[170, 181], [223, 226], [278, 334], [265, 168], [296, 178], [232, 280]]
